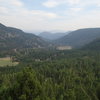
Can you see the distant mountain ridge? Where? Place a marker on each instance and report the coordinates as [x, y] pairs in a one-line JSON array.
[[79, 37], [52, 36], [13, 38]]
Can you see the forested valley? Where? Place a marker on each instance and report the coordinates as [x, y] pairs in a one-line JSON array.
[[49, 74], [32, 68], [49, 49]]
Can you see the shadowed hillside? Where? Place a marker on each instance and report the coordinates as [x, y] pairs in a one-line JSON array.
[[79, 38], [13, 38], [94, 45]]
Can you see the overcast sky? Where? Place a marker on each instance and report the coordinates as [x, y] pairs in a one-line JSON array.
[[31, 15]]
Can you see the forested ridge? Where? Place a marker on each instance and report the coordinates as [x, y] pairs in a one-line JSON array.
[[12, 39], [79, 38], [52, 75], [94, 45]]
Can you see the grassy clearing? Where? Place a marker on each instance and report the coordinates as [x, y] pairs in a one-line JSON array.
[[7, 61], [64, 48]]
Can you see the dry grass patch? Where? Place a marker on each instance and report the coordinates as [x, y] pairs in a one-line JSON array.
[[7, 61]]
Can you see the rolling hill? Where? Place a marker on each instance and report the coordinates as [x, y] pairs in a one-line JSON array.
[[79, 37], [13, 38]]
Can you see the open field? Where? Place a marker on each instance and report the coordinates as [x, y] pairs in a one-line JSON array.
[[64, 48], [7, 61]]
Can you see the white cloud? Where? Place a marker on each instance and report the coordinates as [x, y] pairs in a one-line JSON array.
[[54, 3], [84, 3], [74, 2], [19, 16], [14, 13], [16, 7], [3, 10], [16, 2], [50, 4], [75, 9], [90, 20], [42, 14]]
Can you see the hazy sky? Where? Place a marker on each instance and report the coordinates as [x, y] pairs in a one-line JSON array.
[[50, 14]]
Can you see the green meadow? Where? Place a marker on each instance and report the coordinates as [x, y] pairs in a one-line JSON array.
[[7, 62]]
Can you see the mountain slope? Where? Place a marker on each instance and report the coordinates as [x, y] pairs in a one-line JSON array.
[[12, 38], [94, 45], [52, 36], [79, 38]]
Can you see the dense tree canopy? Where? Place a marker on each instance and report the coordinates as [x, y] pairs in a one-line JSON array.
[[52, 75]]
